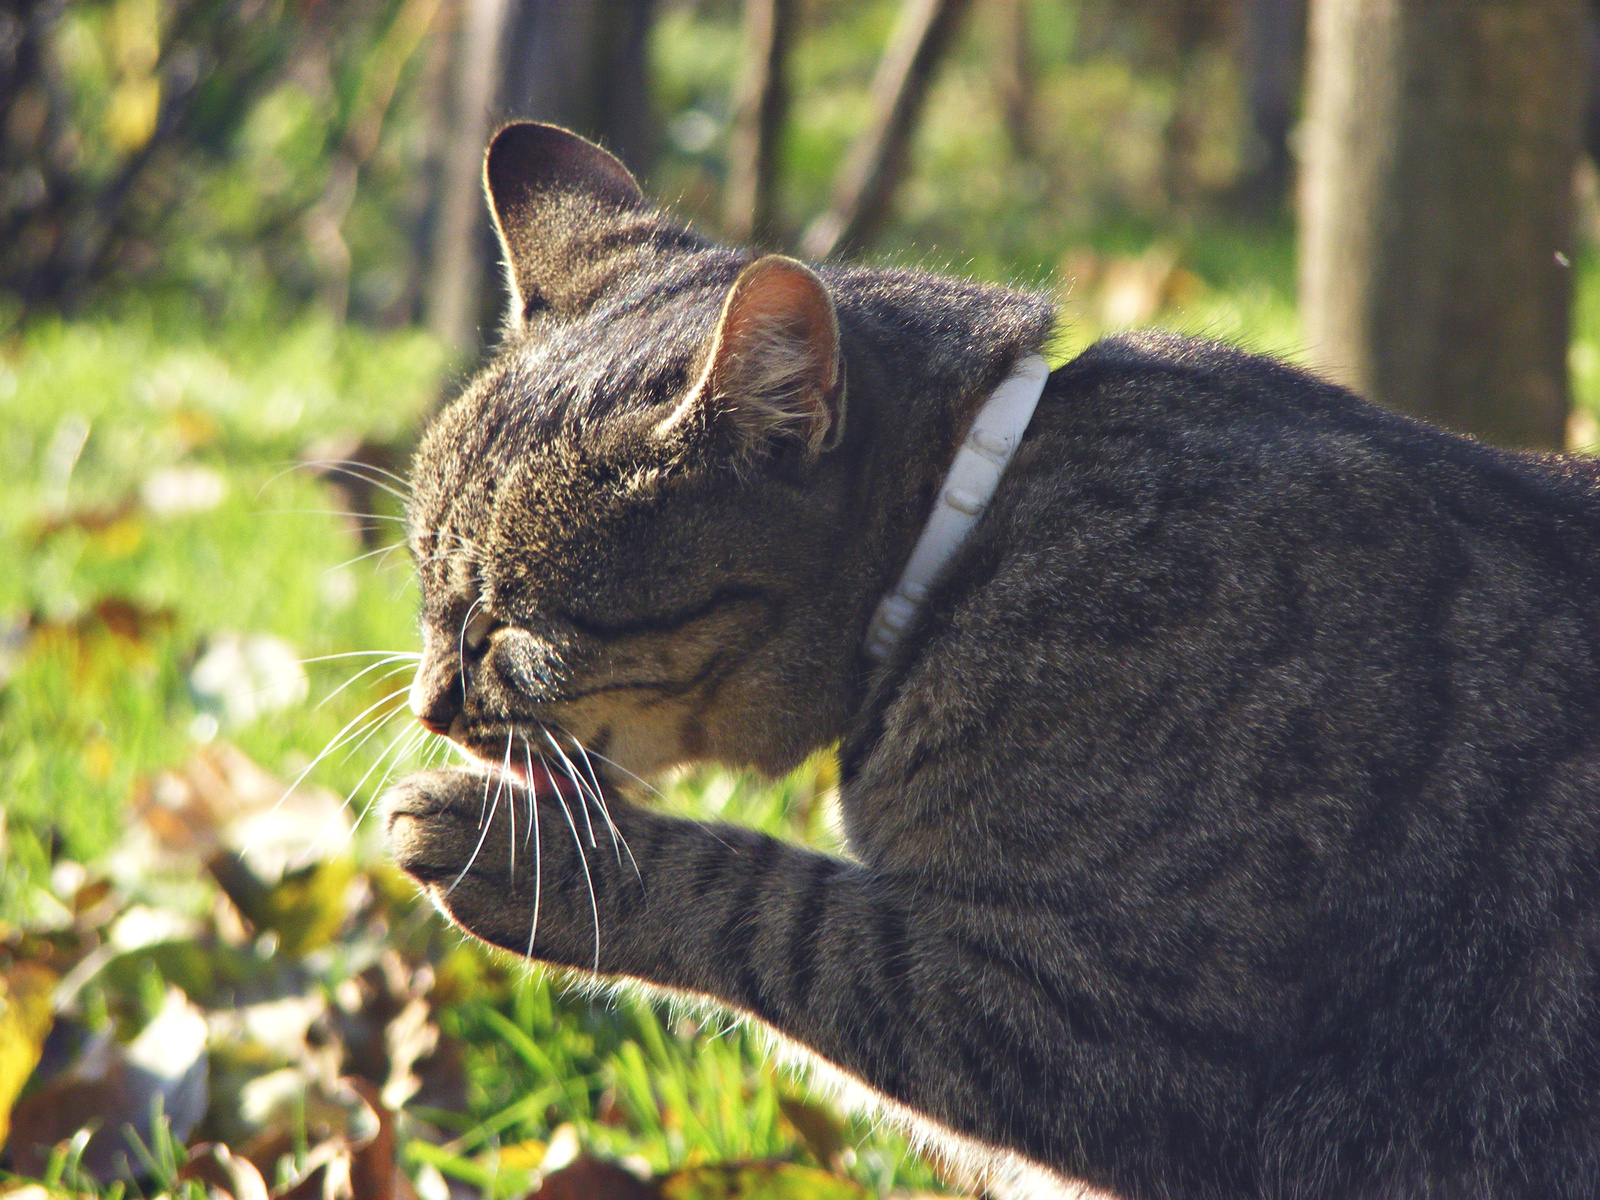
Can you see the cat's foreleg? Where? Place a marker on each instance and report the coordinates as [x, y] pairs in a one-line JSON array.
[[844, 961]]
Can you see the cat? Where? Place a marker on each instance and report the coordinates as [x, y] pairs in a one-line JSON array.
[[1226, 822]]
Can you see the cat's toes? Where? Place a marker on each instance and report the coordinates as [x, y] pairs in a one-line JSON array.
[[432, 820]]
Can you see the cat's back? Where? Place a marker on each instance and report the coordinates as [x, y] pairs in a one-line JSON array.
[[1215, 400], [1274, 674], [1189, 529]]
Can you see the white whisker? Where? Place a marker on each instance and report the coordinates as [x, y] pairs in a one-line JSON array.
[[533, 820], [383, 551], [582, 857], [572, 774], [376, 724], [461, 646], [600, 799], [407, 742], [511, 808], [484, 825], [405, 662], [331, 512], [644, 783], [411, 654], [338, 739], [348, 467]]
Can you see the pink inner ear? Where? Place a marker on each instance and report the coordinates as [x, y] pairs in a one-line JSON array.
[[774, 368], [778, 345]]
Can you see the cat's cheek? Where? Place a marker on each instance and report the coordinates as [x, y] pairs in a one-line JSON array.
[[641, 739]]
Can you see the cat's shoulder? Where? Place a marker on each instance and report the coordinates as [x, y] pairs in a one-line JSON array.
[[1158, 366], [1268, 410]]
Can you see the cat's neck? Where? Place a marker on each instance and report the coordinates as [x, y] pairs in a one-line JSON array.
[[923, 355]]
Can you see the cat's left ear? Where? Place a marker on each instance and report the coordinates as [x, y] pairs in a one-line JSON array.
[[557, 200], [774, 369]]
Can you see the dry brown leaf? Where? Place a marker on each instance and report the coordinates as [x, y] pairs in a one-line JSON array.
[[217, 1167], [819, 1128], [374, 1173], [112, 1086], [594, 1179], [220, 797]]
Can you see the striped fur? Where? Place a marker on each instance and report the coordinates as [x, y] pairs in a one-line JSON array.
[[1228, 825]]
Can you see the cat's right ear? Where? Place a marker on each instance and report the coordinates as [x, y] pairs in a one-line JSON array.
[[774, 371], [553, 196]]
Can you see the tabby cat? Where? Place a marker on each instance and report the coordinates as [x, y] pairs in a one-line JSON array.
[[1226, 823]]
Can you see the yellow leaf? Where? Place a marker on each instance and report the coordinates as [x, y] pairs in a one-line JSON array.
[[25, 1020], [120, 538], [131, 117], [522, 1156], [307, 907]]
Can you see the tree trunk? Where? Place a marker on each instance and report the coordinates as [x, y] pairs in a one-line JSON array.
[[578, 63], [583, 64], [1273, 41], [866, 181], [454, 291], [759, 110], [1436, 208], [1014, 75]]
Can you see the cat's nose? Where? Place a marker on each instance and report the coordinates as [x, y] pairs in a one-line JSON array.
[[435, 699]]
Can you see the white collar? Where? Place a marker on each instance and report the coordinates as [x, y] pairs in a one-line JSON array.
[[968, 487]]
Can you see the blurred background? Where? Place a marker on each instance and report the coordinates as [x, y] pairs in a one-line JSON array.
[[244, 256]]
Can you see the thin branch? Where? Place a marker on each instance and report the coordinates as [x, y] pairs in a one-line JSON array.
[[866, 181], [759, 113]]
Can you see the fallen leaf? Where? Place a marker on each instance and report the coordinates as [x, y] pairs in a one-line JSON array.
[[326, 1175], [90, 520], [192, 428], [242, 676], [179, 490], [25, 1021], [221, 799], [374, 1172], [276, 1029], [594, 1179], [111, 1088], [217, 1167], [306, 907], [819, 1128]]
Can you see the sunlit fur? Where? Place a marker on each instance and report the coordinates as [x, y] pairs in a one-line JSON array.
[[1226, 825]]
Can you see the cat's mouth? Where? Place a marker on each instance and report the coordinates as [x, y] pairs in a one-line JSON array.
[[538, 761]]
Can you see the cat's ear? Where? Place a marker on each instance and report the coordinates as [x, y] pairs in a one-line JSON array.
[[553, 195], [774, 369]]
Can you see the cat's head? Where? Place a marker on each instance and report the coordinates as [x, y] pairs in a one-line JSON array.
[[628, 526]]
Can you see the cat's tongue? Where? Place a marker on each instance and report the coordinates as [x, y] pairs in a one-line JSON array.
[[548, 780]]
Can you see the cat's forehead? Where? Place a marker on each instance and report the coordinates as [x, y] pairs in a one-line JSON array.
[[545, 404]]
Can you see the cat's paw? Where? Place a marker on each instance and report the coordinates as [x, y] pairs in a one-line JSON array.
[[501, 859], [434, 823]]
